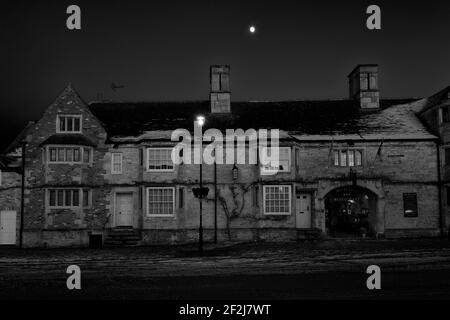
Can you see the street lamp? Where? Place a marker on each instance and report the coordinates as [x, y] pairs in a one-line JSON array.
[[200, 123]]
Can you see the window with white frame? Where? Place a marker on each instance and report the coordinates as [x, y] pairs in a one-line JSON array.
[[159, 159], [68, 123], [348, 158], [68, 154], [284, 160], [277, 199], [160, 201], [68, 198], [116, 163]]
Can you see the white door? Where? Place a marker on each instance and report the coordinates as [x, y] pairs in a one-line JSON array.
[[303, 211], [7, 227], [124, 209]]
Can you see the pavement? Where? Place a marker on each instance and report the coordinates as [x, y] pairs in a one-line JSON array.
[[325, 269]]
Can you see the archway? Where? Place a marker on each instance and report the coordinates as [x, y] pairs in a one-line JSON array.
[[350, 211]]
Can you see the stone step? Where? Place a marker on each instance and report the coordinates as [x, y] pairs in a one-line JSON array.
[[308, 234], [123, 236]]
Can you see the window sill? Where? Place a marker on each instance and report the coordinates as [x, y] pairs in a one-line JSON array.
[[160, 216], [69, 163], [277, 214]]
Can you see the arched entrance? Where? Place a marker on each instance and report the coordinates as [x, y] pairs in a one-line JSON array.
[[350, 212]]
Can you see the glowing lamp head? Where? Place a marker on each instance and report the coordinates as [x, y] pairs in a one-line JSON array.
[[201, 121], [252, 29]]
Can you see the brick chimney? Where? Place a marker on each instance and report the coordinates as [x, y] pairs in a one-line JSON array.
[[220, 89], [363, 86]]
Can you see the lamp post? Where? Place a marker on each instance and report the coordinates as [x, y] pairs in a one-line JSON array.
[[200, 123]]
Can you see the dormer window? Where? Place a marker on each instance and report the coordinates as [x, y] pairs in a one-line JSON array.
[[68, 124]]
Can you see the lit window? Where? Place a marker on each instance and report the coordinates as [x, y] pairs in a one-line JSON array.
[[348, 158], [116, 166], [358, 158], [277, 200], [159, 159], [67, 198], [343, 158], [68, 124], [351, 158], [160, 201], [284, 160]]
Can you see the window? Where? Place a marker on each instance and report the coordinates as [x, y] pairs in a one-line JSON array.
[[284, 160], [160, 202], [277, 200], [86, 155], [68, 124], [348, 158], [68, 154], [68, 198], [410, 205], [445, 114], [0, 178], [159, 159], [116, 163]]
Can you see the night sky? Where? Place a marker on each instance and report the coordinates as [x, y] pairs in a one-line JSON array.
[[161, 50]]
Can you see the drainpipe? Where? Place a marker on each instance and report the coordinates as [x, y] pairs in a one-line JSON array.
[[441, 214], [215, 202], [22, 192]]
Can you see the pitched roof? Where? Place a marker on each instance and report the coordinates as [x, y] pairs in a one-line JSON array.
[[311, 119], [437, 99]]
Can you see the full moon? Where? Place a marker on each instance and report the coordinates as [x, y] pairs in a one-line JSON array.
[[252, 29]]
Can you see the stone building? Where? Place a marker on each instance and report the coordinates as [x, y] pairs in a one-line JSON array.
[[101, 171]]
